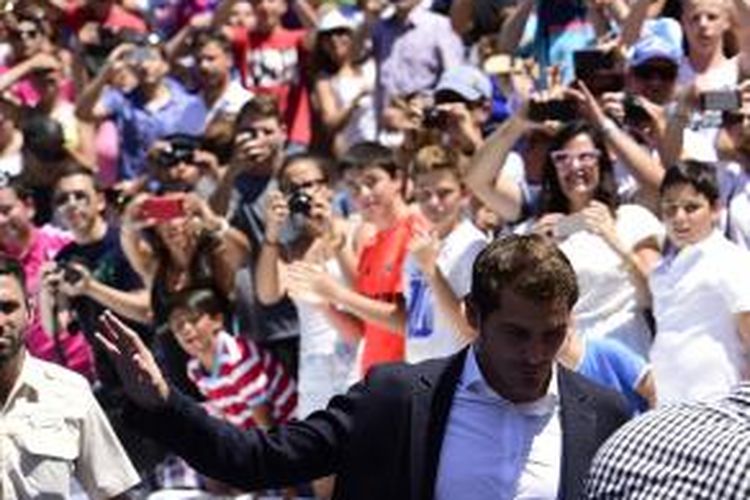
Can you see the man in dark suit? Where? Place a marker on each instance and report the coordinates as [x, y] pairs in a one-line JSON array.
[[498, 420]]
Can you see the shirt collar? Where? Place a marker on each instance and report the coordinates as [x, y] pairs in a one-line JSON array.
[[32, 375], [473, 381]]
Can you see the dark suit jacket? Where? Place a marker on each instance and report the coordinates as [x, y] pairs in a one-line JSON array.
[[382, 438]]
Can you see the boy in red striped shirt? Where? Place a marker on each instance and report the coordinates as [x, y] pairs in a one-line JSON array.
[[241, 383]]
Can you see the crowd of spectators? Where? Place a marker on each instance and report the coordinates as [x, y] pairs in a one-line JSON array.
[[279, 195]]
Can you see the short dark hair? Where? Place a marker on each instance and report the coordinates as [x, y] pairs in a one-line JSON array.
[[197, 300], [700, 175], [529, 265], [205, 37], [11, 267], [324, 165], [370, 154], [552, 197], [261, 106], [71, 168], [19, 186]]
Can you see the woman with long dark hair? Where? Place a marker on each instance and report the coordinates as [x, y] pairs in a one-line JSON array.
[[612, 246]]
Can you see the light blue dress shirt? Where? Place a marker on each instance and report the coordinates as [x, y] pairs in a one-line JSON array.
[[495, 449]]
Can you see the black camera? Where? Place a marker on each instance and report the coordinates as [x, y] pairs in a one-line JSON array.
[[635, 113], [173, 156], [300, 203], [435, 118], [181, 150], [71, 275], [563, 110]]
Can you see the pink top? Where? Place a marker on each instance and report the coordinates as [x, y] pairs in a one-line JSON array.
[[45, 243], [28, 95]]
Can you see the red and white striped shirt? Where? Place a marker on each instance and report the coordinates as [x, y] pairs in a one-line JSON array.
[[243, 378]]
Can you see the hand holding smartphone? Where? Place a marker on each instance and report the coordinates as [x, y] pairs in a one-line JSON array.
[[162, 208], [568, 225]]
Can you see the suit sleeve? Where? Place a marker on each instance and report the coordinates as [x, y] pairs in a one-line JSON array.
[[253, 459]]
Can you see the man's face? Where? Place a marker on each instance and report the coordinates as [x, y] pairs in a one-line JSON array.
[[78, 204], [14, 318], [655, 80], [150, 67], [214, 65], [15, 217], [518, 343], [268, 14], [263, 139], [27, 39], [440, 197], [242, 14]]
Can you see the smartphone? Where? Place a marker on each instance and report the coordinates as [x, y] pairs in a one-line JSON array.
[[731, 118], [563, 110], [635, 114], [568, 225], [720, 100], [589, 62], [161, 208], [611, 80], [246, 135]]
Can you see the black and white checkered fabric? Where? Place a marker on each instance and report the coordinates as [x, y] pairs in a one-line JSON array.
[[689, 451]]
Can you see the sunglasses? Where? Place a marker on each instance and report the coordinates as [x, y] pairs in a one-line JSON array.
[[62, 199], [28, 34], [646, 72], [564, 160]]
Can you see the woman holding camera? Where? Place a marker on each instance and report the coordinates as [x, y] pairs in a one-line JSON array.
[[173, 242], [300, 229], [303, 207], [611, 246]]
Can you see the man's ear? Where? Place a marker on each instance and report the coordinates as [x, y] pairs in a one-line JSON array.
[[471, 312]]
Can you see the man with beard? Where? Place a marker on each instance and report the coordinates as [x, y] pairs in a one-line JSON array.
[[220, 94], [54, 430]]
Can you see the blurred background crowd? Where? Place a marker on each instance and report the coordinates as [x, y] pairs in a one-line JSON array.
[[281, 194]]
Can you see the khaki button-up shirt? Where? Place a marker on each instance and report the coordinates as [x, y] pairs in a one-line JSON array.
[[51, 430]]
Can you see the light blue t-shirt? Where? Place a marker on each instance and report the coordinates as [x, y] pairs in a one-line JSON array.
[[613, 365]]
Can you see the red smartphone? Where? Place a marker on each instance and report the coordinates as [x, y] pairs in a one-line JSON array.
[[162, 208]]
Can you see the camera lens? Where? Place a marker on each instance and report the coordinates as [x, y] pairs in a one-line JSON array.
[[300, 203]]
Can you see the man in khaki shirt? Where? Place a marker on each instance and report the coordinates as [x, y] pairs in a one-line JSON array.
[[51, 427]]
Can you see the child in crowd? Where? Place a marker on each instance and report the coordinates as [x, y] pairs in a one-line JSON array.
[[437, 274], [376, 300], [701, 293], [613, 365], [240, 382]]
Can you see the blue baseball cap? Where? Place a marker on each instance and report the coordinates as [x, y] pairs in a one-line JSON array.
[[655, 47], [467, 81]]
